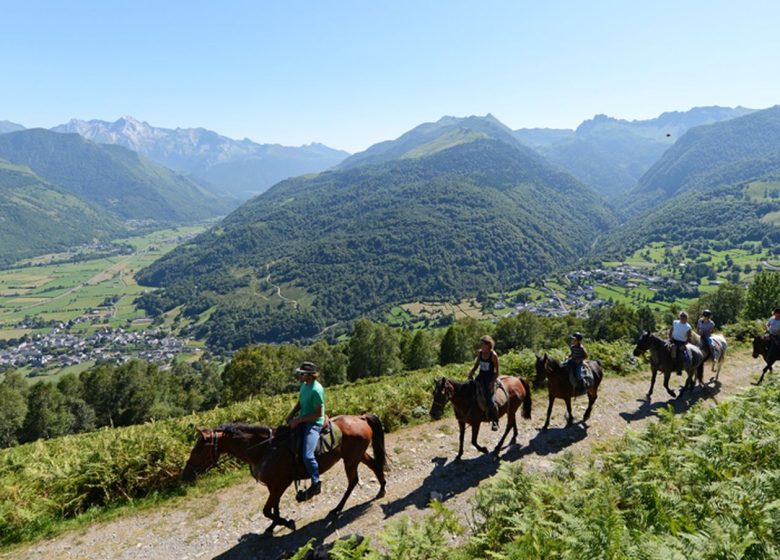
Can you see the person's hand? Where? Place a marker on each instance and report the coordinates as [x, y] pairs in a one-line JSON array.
[[293, 422]]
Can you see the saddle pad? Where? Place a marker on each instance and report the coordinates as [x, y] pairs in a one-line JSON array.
[[328, 440], [500, 395], [587, 377]]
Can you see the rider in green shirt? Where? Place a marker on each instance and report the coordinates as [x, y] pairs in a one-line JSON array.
[[309, 415]]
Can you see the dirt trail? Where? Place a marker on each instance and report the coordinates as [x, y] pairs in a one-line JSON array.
[[229, 524]]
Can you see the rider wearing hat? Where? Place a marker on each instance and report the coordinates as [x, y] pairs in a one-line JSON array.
[[680, 335], [577, 355], [309, 416], [705, 327]]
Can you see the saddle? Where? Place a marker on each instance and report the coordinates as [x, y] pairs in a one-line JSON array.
[[330, 438], [587, 379], [500, 397]]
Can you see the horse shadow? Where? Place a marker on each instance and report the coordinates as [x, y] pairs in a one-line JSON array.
[[445, 481], [678, 404], [253, 545]]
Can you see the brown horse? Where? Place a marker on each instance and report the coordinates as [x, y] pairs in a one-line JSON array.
[[463, 397], [559, 385], [767, 350], [269, 454]]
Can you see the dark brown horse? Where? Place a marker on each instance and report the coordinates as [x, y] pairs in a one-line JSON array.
[[661, 360], [559, 385], [463, 398], [767, 350], [268, 452]]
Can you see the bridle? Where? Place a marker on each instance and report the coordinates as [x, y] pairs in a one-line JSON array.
[[445, 393]]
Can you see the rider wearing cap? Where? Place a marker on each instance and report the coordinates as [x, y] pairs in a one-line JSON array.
[[680, 335], [577, 355], [705, 327], [309, 415]]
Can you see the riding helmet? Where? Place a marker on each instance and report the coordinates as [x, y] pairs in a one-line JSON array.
[[577, 335], [707, 313]]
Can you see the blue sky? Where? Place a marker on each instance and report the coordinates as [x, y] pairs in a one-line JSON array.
[[352, 73]]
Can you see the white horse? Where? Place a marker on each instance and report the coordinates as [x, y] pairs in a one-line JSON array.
[[720, 341]]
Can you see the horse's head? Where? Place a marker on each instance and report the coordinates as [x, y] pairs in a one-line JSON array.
[[442, 393], [204, 455], [643, 343], [543, 369], [759, 346]]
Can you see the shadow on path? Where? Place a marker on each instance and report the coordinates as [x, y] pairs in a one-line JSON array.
[[266, 547], [679, 404]]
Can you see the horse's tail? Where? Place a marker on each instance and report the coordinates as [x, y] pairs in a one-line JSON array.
[[526, 413], [377, 440]]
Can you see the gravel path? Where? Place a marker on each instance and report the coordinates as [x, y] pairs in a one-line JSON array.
[[229, 524]]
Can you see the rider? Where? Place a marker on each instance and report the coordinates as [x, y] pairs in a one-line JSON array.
[[773, 327], [706, 326], [487, 363], [309, 416], [680, 335], [577, 355]]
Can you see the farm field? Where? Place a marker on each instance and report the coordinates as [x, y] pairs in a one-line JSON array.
[[63, 291]]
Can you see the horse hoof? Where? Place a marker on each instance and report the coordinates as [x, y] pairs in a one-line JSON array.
[[269, 532], [291, 525], [332, 516], [380, 494]]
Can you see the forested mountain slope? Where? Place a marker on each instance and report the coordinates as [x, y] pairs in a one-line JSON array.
[[38, 217], [478, 216]]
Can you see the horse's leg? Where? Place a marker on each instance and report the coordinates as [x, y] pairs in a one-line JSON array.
[[271, 510], [462, 427], [592, 396], [550, 401], [652, 382], [763, 373], [474, 434], [570, 421], [667, 375], [511, 420], [351, 469], [368, 461]]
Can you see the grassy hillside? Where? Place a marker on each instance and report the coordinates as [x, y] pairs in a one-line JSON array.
[[38, 217], [111, 178], [474, 217]]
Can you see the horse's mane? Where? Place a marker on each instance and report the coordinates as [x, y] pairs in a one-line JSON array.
[[235, 429]]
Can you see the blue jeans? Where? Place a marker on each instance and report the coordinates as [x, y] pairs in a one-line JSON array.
[[310, 434], [577, 370]]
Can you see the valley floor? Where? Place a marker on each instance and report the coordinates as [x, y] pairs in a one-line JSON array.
[[229, 524]]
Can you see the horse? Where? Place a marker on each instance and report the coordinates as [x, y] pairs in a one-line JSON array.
[[463, 398], [661, 360], [269, 454], [707, 353], [559, 385], [767, 350]]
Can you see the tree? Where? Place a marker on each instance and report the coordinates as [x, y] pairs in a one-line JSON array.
[[421, 353], [726, 303], [460, 342], [12, 411], [762, 295], [612, 323], [373, 350], [646, 319], [47, 413], [521, 331], [265, 369]]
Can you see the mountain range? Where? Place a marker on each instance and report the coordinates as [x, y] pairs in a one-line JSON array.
[[238, 168], [611, 155]]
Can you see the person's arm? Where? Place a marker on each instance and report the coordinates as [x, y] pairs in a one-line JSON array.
[[495, 365], [688, 335], [472, 370], [584, 355], [293, 413], [308, 418], [671, 332]]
